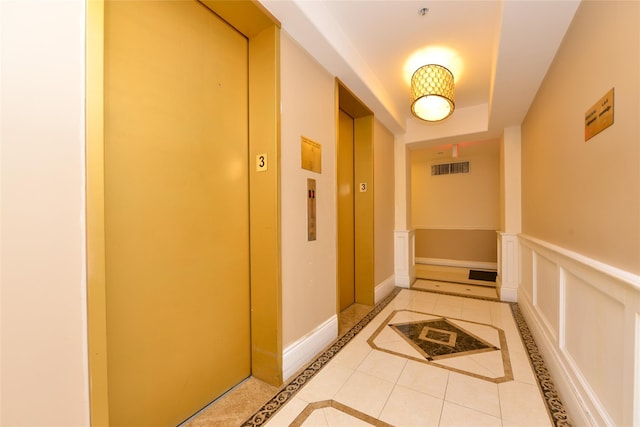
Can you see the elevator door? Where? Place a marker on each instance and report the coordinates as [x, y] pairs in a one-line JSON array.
[[346, 219], [176, 210]]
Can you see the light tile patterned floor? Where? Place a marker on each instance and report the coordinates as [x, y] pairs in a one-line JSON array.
[[362, 385]]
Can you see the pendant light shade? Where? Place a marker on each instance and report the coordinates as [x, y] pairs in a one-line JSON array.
[[432, 93]]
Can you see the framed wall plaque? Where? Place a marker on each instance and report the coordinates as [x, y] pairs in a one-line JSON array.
[[599, 116]]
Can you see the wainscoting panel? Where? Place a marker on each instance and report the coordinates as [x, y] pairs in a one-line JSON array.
[[546, 292], [593, 339], [526, 272], [584, 315]]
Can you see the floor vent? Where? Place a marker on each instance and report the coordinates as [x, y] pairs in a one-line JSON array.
[[450, 168]]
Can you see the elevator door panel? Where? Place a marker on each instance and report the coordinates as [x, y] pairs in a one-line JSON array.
[[346, 233], [176, 210]]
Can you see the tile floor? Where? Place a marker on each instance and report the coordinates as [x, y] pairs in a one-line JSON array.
[[375, 377], [235, 406], [246, 398], [444, 273], [456, 289]]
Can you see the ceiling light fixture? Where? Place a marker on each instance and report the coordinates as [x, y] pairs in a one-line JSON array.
[[432, 93]]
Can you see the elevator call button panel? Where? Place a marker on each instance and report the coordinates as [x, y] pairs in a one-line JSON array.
[[311, 209]]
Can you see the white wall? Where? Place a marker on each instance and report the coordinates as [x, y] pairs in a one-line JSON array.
[[43, 303], [308, 267]]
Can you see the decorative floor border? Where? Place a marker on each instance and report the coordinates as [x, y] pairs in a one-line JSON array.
[[555, 408], [292, 387]]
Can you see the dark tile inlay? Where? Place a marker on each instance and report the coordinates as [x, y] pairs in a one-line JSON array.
[[439, 338]]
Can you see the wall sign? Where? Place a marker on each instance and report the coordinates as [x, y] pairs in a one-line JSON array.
[[311, 155], [599, 116]]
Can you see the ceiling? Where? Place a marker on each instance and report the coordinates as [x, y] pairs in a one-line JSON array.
[[499, 52]]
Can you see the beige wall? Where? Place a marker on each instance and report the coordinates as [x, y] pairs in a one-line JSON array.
[[308, 268], [383, 201], [585, 196], [459, 245], [43, 311], [454, 214], [460, 201], [510, 180]]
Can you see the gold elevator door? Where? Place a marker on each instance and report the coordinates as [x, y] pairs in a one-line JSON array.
[[176, 210], [346, 211]]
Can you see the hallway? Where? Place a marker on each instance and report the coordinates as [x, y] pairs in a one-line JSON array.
[[420, 358], [561, 204]]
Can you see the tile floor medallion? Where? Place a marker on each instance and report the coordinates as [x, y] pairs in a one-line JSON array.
[[446, 343], [423, 359]]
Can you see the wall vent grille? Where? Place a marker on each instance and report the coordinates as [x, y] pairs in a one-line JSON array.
[[450, 168]]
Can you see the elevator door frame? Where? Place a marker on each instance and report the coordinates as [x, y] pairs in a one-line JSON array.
[[363, 200]]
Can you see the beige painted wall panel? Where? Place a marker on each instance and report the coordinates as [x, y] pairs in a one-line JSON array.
[[44, 378], [383, 202], [460, 201], [585, 196], [462, 245], [308, 268]]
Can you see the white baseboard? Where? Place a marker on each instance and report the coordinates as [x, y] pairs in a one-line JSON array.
[[384, 288], [508, 294], [403, 281], [306, 348], [458, 263]]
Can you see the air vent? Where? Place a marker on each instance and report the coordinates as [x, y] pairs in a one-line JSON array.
[[450, 168]]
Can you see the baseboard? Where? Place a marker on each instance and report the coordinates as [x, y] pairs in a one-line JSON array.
[[508, 294], [384, 288], [480, 265], [306, 348], [404, 280]]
